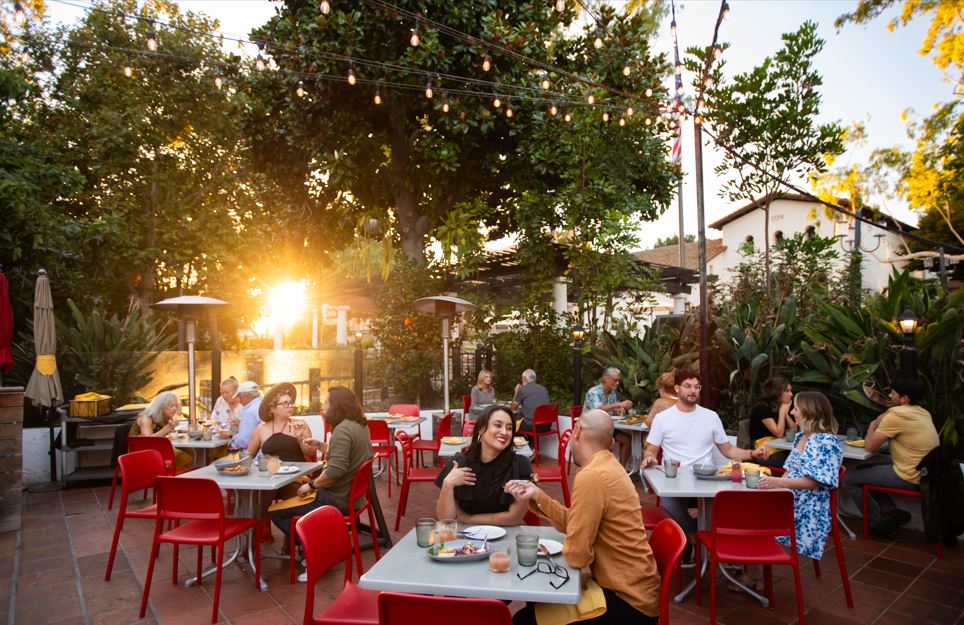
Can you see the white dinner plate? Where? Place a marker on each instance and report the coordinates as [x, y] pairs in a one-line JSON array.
[[287, 469], [554, 546], [484, 532]]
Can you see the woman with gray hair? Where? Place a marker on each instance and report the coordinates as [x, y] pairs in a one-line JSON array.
[[159, 420]]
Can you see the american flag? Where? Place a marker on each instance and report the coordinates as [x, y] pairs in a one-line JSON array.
[[678, 143]]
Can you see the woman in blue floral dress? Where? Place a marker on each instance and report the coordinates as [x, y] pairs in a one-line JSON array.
[[812, 471]]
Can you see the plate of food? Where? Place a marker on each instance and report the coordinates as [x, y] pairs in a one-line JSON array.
[[459, 551], [549, 546], [714, 478], [453, 440], [286, 469], [859, 443], [231, 467], [520, 440], [484, 532], [407, 418]]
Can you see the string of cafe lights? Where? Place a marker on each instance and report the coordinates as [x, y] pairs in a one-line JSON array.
[[500, 92]]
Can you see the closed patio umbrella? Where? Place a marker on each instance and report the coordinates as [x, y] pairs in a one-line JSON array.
[[6, 328], [43, 389]]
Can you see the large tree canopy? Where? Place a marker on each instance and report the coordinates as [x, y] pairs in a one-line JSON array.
[[474, 169]]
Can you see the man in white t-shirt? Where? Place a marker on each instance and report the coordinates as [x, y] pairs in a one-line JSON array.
[[687, 432]]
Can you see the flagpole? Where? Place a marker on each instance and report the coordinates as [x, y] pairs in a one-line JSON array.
[[677, 151]]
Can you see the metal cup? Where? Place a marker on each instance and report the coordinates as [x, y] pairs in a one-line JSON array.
[[670, 467], [425, 532]]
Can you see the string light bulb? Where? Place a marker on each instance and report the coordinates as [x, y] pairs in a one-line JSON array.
[[351, 77], [378, 96], [598, 42], [428, 90], [649, 92], [218, 82], [648, 121], [726, 10], [128, 68], [627, 69], [672, 27], [545, 83], [553, 110], [18, 13], [629, 112], [497, 103], [325, 7], [151, 38], [300, 89], [445, 105], [560, 5], [508, 111], [259, 60], [567, 117], [717, 50], [486, 63], [605, 116], [25, 56], [591, 99], [415, 39], [622, 121], [679, 69]]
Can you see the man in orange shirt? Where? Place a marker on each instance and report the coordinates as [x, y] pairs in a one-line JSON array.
[[603, 527]]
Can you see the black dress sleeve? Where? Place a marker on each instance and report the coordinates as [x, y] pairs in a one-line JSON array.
[[757, 415], [458, 457]]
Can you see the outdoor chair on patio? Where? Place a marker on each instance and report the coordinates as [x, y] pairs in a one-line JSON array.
[[360, 488], [868, 488], [139, 470], [400, 609], [139, 443], [197, 501], [837, 544], [557, 473], [324, 537], [736, 537], [410, 473], [408, 410], [384, 447], [545, 414], [667, 542], [433, 444]]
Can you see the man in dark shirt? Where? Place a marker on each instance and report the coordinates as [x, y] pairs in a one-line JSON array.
[[529, 395]]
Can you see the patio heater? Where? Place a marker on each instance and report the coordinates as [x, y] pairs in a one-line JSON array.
[[190, 308], [908, 354], [444, 307]]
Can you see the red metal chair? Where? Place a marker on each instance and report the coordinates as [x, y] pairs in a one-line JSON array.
[[360, 488], [741, 538], [197, 501], [383, 447], [162, 445], [399, 609], [410, 474], [544, 414], [532, 519], [139, 469], [667, 542], [837, 545], [468, 427], [574, 413], [326, 542], [938, 551], [433, 445], [557, 473], [466, 406], [408, 410], [652, 517]]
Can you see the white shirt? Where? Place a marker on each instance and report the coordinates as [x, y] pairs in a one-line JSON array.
[[689, 437], [223, 413]]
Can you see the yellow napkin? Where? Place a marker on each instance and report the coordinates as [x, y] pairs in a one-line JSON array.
[[592, 603], [46, 365], [293, 502], [859, 443]]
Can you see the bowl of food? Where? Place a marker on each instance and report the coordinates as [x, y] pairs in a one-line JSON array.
[[705, 470], [231, 467], [195, 435]]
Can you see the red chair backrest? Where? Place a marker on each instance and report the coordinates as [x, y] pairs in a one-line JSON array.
[[756, 513], [546, 413], [575, 412], [360, 484], [190, 498], [161, 444], [667, 542], [378, 432], [532, 519], [403, 609], [139, 470], [466, 405], [409, 410], [324, 537], [468, 427], [445, 426], [407, 453], [563, 446]]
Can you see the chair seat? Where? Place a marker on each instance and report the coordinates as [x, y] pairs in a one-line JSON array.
[[547, 473], [147, 512], [422, 474], [206, 532], [426, 444], [653, 515], [747, 549], [353, 605]]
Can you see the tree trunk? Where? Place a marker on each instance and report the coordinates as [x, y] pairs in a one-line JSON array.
[[766, 247], [412, 226]]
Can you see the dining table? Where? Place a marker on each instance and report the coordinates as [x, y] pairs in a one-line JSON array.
[[200, 448], [687, 484], [250, 491], [449, 447], [636, 427], [408, 568]]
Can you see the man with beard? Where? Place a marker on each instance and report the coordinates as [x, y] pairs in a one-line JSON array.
[[687, 433]]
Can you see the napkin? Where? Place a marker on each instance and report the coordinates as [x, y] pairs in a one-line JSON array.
[[592, 603], [292, 502]]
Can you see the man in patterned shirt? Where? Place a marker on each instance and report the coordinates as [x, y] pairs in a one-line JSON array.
[[603, 397]]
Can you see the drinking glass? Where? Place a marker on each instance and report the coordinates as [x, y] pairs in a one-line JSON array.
[[752, 477], [852, 434], [424, 529], [262, 463], [500, 561], [274, 464], [790, 434], [207, 434], [736, 472], [670, 467], [446, 530], [526, 549]]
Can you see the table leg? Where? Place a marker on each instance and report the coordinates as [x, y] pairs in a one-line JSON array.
[[702, 522], [845, 527]]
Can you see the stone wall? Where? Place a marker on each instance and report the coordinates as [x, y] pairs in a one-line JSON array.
[[11, 457]]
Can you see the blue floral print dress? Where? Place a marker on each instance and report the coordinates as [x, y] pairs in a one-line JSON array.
[[820, 461]]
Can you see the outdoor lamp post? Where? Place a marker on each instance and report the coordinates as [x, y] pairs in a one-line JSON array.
[[577, 335], [444, 307], [908, 354], [359, 356], [190, 308]]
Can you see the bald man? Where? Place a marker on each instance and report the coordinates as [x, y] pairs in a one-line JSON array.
[[603, 527]]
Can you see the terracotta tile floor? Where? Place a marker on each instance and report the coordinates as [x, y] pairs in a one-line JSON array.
[[51, 572]]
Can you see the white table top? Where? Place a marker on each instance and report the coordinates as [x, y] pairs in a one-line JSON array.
[[849, 452], [254, 480], [447, 451], [394, 422], [187, 443], [639, 426], [407, 568], [684, 484]]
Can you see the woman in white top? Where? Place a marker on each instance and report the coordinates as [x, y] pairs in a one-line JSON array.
[[227, 409]]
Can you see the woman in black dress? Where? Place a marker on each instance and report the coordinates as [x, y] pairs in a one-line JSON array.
[[771, 417], [471, 483]]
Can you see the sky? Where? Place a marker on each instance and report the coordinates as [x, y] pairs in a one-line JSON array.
[[870, 74]]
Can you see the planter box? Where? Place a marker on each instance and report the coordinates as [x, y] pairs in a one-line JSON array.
[[11, 450]]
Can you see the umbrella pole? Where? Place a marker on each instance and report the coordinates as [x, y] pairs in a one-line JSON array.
[[53, 484], [191, 331]]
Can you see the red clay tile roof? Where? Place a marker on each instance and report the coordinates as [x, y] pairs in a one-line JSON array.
[[669, 254]]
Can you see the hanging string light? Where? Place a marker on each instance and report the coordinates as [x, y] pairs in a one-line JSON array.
[[351, 75], [486, 63], [726, 10], [672, 27], [259, 60], [598, 42], [18, 13], [445, 103], [128, 68], [428, 89], [622, 121], [378, 95], [24, 56], [591, 99], [627, 69], [679, 68], [218, 81], [546, 84], [605, 116], [497, 102], [151, 38], [508, 110], [300, 89], [649, 92], [717, 50], [567, 118], [560, 5], [648, 121], [325, 7], [629, 112], [415, 39], [553, 110]]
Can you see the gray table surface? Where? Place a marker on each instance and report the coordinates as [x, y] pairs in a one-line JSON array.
[[850, 452], [407, 568], [254, 480], [187, 443]]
